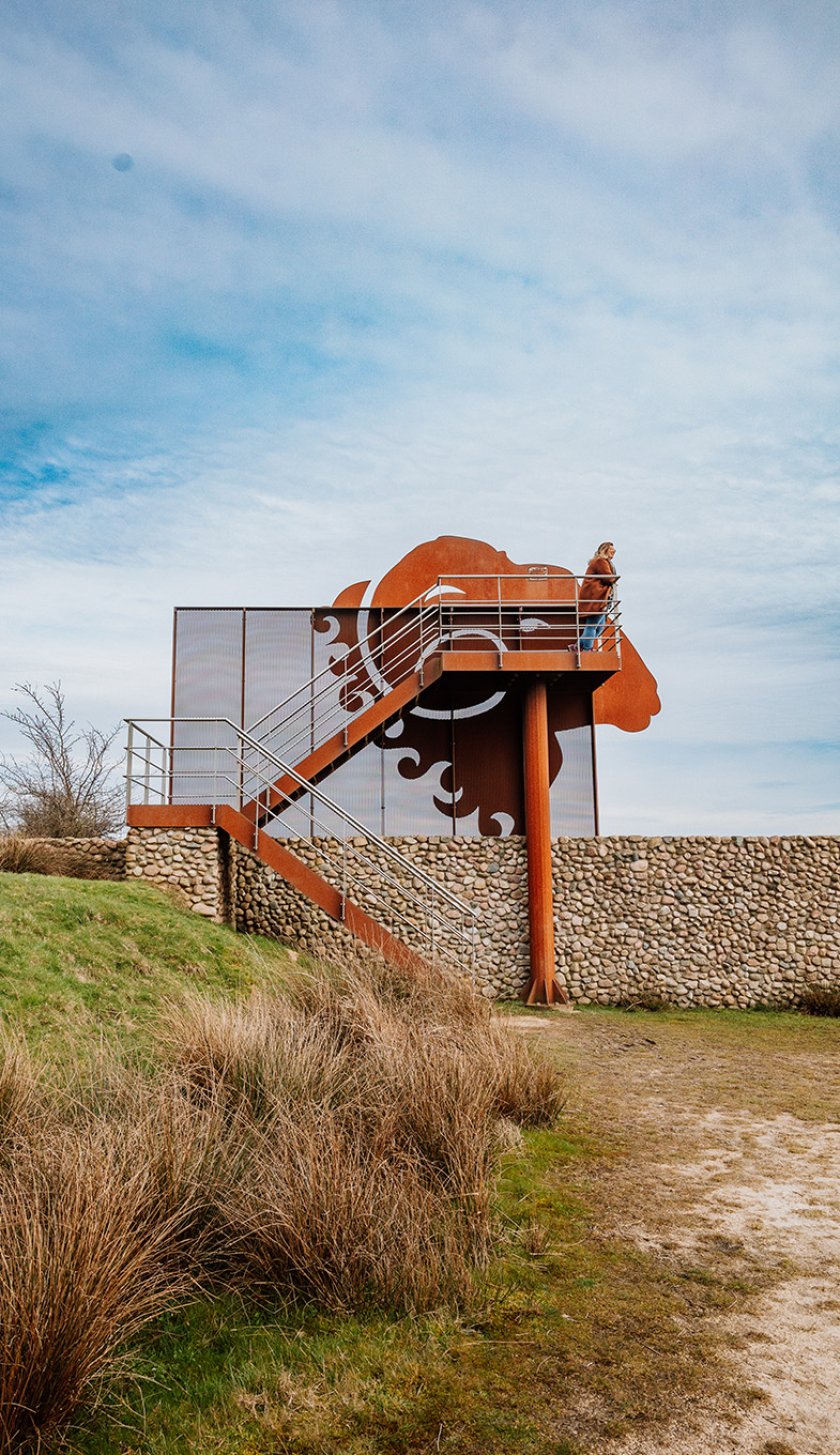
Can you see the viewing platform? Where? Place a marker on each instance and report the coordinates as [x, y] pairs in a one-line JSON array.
[[468, 708]]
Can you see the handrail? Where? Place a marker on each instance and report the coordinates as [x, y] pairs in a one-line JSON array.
[[311, 712], [329, 668], [287, 771]]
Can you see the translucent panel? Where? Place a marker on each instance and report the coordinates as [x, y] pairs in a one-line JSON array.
[[208, 662], [208, 670], [573, 790], [278, 657]]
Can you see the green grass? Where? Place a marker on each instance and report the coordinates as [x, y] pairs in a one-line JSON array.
[[87, 961]]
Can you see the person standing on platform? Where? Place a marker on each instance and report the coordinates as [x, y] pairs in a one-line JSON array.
[[595, 595]]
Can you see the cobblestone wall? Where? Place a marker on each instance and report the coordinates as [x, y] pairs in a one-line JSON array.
[[698, 921], [88, 858], [190, 862], [262, 902]]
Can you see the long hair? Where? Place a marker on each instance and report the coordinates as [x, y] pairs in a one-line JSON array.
[[604, 546]]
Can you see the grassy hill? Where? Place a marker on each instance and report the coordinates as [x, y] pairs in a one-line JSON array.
[[560, 1310], [86, 961]]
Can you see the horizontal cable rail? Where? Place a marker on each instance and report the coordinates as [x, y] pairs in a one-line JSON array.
[[243, 772], [451, 615]]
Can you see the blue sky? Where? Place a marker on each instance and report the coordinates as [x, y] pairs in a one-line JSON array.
[[541, 274]]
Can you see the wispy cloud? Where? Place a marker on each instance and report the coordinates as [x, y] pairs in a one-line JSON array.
[[379, 272]]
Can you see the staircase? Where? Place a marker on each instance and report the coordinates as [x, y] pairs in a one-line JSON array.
[[229, 779], [244, 780]]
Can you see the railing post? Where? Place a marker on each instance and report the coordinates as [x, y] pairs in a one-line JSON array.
[[129, 766], [577, 623], [147, 768], [343, 877]]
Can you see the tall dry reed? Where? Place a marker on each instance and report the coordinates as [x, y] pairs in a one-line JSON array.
[[84, 1262], [335, 1143]]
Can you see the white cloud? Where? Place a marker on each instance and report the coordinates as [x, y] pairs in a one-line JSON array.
[[533, 276]]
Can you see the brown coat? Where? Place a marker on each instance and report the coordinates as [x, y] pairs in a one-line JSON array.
[[595, 593]]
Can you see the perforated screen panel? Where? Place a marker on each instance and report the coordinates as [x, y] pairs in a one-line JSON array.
[[452, 765], [572, 792]]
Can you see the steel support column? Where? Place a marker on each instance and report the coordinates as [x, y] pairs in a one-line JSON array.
[[543, 987]]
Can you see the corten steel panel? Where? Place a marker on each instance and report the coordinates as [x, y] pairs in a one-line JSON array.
[[417, 762], [418, 801], [487, 758], [629, 699]]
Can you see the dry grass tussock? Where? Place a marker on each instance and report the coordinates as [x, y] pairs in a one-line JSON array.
[[335, 1143], [820, 1000], [19, 855], [84, 1262]]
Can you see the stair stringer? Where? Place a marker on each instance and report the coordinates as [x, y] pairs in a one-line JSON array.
[[317, 890]]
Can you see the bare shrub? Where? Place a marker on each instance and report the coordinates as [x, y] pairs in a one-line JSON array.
[[645, 1000], [84, 1262], [444, 1009], [361, 1078], [336, 1144], [65, 788], [256, 1055], [19, 855], [528, 1087]]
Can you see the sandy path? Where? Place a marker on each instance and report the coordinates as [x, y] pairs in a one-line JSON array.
[[751, 1191]]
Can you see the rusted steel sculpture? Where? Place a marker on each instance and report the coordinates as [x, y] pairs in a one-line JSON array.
[[508, 754], [455, 695]]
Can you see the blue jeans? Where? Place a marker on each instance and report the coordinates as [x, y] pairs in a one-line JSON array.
[[593, 627]]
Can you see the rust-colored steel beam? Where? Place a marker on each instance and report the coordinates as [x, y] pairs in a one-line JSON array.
[[594, 665], [544, 987]]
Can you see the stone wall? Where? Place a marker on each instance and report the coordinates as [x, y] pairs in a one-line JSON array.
[[261, 901], [698, 921], [191, 863], [490, 874], [87, 858]]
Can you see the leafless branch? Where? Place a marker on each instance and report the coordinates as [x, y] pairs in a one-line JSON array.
[[64, 787]]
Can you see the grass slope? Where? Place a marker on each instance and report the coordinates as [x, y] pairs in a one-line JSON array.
[[83, 961], [582, 1336]]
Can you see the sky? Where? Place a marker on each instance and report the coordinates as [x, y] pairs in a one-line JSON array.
[[288, 288]]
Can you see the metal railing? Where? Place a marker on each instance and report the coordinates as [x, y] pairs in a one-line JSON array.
[[235, 769], [458, 613]]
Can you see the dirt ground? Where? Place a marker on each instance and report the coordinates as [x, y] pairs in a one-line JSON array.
[[730, 1130]]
